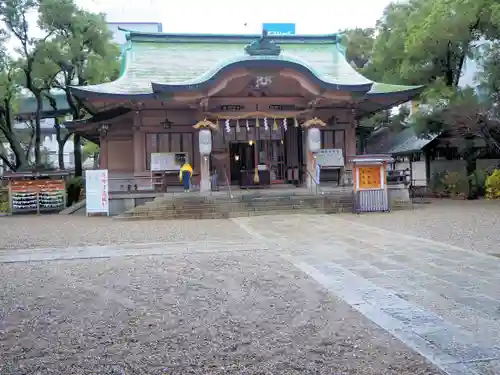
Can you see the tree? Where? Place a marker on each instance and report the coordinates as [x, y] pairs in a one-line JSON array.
[[32, 63], [489, 73], [62, 135], [421, 41], [9, 89], [91, 150], [359, 45], [82, 52]]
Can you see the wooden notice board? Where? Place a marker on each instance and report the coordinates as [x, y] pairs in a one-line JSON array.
[[167, 161], [369, 177]]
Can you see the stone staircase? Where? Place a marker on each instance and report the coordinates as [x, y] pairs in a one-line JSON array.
[[222, 206]]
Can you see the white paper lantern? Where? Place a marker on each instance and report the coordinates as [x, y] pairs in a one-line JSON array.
[[314, 139], [205, 141]]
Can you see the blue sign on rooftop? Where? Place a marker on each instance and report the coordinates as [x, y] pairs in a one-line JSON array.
[[279, 28]]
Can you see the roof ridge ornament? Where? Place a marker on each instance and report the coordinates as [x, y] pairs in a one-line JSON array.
[[263, 46]]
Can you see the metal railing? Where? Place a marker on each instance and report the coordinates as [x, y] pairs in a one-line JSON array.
[[316, 183], [228, 185]]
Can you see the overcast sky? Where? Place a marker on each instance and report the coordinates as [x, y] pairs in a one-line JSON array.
[[230, 16]]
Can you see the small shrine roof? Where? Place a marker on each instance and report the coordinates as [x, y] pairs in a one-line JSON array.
[[403, 143]]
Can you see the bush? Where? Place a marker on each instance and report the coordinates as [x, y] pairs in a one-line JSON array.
[[4, 200], [436, 182], [493, 185], [74, 187], [477, 182], [454, 184]]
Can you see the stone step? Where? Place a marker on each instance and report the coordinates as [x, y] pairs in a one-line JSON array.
[[206, 215], [214, 214], [197, 207]]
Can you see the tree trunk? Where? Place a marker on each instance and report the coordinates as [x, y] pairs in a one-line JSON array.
[[17, 149], [38, 116], [470, 166], [60, 155], [7, 163], [61, 142], [77, 150], [30, 143]]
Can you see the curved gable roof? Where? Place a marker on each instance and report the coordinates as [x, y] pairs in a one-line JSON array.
[[183, 61]]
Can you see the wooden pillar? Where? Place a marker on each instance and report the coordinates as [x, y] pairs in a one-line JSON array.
[[350, 143], [103, 152], [139, 146]]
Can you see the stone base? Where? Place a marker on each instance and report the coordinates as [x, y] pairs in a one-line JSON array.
[[399, 196]]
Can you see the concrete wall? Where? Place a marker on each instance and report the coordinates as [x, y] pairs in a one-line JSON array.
[[441, 166]]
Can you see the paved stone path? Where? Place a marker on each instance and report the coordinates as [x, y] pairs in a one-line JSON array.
[[179, 308], [441, 300]]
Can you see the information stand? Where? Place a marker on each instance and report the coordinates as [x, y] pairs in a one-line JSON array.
[[97, 191], [36, 192], [370, 183]]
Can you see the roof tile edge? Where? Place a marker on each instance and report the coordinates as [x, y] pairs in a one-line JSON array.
[[137, 36]]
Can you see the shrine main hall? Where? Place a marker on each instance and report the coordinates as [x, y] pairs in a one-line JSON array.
[[240, 105]]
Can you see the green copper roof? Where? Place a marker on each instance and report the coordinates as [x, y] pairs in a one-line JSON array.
[[190, 59], [27, 104]]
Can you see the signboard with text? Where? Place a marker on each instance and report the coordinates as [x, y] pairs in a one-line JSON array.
[[97, 191], [167, 161], [278, 29], [330, 157]]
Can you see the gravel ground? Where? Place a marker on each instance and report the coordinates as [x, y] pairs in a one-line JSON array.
[[250, 313], [469, 224], [22, 232]]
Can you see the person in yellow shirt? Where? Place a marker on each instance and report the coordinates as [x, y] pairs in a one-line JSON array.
[[185, 174]]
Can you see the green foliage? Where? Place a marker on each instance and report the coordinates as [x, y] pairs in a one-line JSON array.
[[489, 72], [75, 47], [4, 200], [394, 121], [90, 150], [454, 184], [420, 41], [359, 45], [493, 185], [436, 183], [74, 187], [477, 181]]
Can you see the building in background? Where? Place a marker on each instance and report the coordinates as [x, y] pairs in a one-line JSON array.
[[279, 29]]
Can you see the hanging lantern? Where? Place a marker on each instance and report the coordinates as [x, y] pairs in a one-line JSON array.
[[266, 127], [247, 124], [238, 125], [227, 125], [275, 125], [257, 125], [295, 122], [285, 125]]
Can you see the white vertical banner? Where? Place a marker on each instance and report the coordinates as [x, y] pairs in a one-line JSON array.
[[97, 191]]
